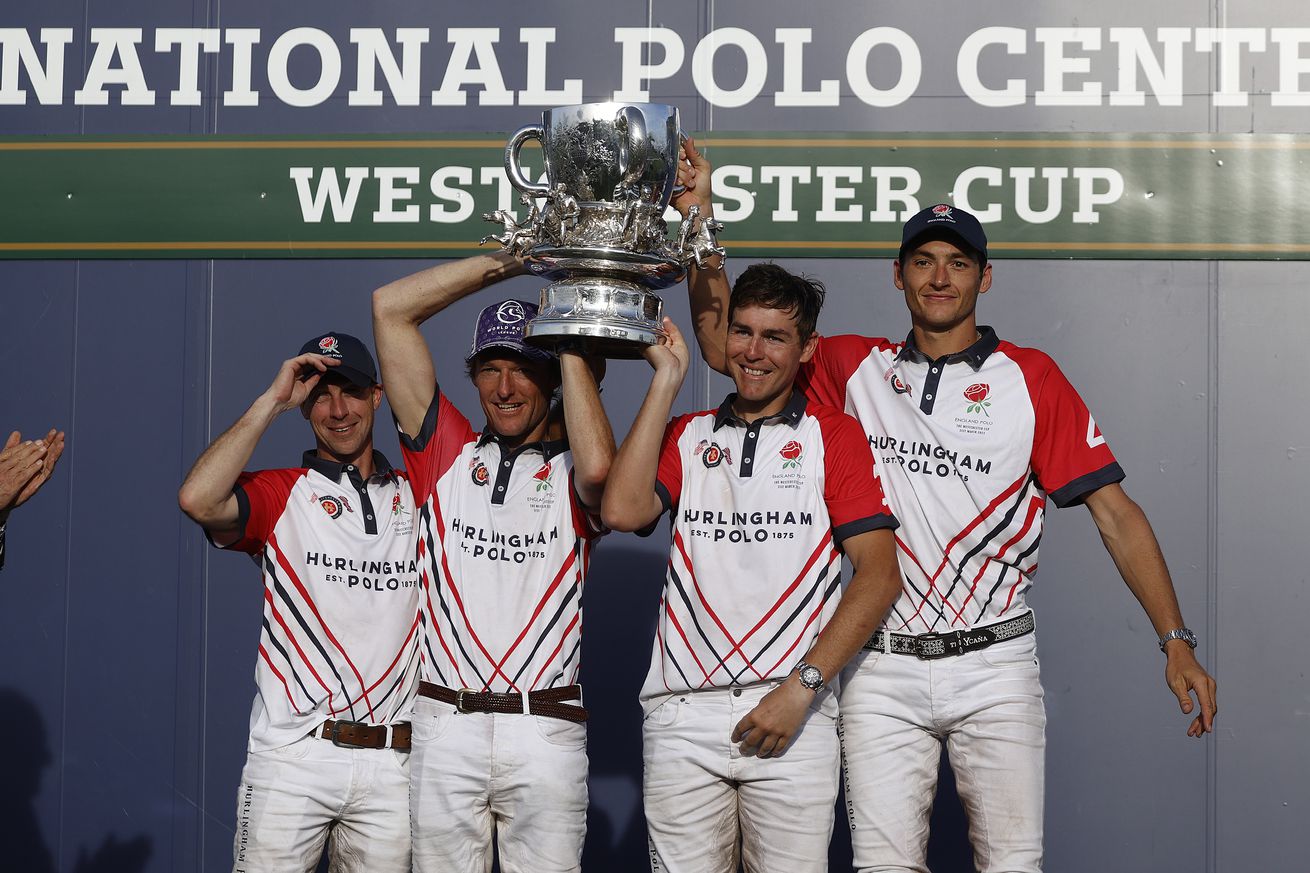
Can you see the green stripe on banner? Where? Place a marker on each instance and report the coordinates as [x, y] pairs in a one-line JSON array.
[[1041, 195]]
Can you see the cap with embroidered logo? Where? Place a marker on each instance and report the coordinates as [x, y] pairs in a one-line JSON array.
[[944, 221], [356, 360], [501, 325]]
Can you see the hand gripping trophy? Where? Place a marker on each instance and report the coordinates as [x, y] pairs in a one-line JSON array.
[[611, 169]]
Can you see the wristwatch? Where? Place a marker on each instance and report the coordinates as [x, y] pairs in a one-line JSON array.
[[1182, 633], [811, 676]]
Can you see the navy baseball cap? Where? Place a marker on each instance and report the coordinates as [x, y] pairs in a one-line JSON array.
[[944, 221], [356, 361], [501, 325]]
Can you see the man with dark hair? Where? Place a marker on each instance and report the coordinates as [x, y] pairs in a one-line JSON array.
[[338, 664], [765, 494], [24, 468], [973, 434], [507, 520]]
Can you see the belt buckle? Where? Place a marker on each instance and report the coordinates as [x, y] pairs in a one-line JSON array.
[[460, 706], [930, 646], [335, 734]]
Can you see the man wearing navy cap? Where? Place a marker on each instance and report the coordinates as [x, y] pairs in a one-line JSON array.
[[971, 435], [338, 660], [507, 519]]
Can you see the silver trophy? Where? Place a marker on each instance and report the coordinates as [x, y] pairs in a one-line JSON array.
[[600, 234]]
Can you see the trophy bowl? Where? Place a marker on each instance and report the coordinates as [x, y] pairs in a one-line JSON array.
[[599, 230]]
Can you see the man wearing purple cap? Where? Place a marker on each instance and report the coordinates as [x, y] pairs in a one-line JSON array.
[[338, 657], [972, 434], [507, 520]]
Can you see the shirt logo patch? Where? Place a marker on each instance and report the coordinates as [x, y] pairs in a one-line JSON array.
[[792, 454], [977, 395], [328, 346], [543, 477], [894, 380], [479, 472], [331, 505], [712, 454]]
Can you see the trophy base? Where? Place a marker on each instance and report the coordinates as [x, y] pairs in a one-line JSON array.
[[611, 317]]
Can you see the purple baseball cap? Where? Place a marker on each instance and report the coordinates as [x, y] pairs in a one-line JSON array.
[[356, 361], [501, 325], [944, 221]]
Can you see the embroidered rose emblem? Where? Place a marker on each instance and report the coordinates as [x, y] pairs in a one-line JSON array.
[[977, 395], [543, 477], [791, 454]]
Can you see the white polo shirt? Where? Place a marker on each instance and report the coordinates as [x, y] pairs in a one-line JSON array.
[[968, 446], [759, 512], [340, 596], [503, 550]]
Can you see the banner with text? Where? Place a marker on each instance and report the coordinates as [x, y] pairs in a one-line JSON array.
[[1170, 196]]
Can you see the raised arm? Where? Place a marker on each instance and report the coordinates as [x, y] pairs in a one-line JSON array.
[[1130, 541], [875, 585], [630, 500], [707, 287], [590, 436], [207, 492], [401, 306]]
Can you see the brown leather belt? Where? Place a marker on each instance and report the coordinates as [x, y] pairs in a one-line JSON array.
[[358, 735], [546, 701]]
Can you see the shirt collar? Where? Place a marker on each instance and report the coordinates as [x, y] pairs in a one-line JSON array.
[[548, 448], [790, 414], [333, 470], [974, 355]]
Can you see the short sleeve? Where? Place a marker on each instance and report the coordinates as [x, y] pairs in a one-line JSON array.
[[851, 488], [1070, 456], [823, 378], [430, 452], [261, 499], [668, 477]]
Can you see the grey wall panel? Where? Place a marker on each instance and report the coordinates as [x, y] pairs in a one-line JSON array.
[[1263, 477], [37, 355], [122, 590]]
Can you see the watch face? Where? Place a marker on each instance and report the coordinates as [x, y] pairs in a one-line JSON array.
[[811, 677]]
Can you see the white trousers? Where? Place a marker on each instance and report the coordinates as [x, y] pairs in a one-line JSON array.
[[291, 797], [987, 706], [704, 797], [518, 779]]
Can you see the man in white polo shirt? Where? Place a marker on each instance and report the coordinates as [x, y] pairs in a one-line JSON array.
[[765, 493], [507, 520], [338, 655], [972, 435]]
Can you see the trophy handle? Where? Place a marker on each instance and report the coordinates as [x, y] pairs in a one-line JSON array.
[[677, 188], [632, 144], [512, 168]]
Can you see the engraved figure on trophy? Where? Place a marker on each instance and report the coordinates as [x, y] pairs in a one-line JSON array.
[[611, 169]]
